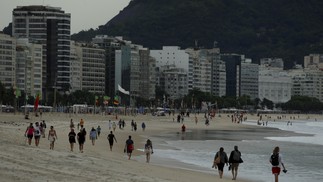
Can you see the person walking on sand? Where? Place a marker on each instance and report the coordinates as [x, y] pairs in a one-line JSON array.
[[43, 128], [235, 160], [71, 124], [82, 123], [37, 133], [223, 160], [71, 138], [143, 126], [114, 126], [110, 125], [111, 138], [148, 150], [98, 130], [29, 133], [276, 162], [51, 137], [81, 139], [129, 147], [93, 135]]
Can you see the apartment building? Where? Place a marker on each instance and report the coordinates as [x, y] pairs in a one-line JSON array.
[[249, 79], [7, 61], [29, 67], [313, 61], [92, 61], [51, 27]]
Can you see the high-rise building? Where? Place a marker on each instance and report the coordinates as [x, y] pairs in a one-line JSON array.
[[147, 74], [29, 67], [307, 82], [200, 69], [249, 79], [233, 73], [51, 27], [218, 77], [7, 61], [175, 81], [110, 45], [134, 72], [92, 61], [75, 68]]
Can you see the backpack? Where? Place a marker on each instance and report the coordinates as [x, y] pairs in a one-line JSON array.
[[236, 156], [274, 159]]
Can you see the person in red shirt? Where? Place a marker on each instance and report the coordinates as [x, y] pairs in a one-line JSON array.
[[29, 133]]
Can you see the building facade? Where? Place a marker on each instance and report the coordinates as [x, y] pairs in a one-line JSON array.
[[275, 85], [249, 79], [307, 82], [92, 68], [29, 67], [51, 27], [110, 45], [7, 61], [175, 82], [314, 61], [233, 73]]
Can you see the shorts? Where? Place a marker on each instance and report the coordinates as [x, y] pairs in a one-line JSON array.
[[72, 140], [51, 139], [37, 137], [235, 166], [81, 142], [30, 136], [220, 166], [275, 170]]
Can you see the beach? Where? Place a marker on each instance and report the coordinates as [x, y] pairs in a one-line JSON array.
[[23, 162]]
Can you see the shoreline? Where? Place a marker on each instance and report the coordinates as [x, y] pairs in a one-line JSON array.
[[115, 164]]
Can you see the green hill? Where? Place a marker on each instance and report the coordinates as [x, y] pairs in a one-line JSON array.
[[257, 28]]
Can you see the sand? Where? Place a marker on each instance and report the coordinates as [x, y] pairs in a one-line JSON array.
[[23, 162]]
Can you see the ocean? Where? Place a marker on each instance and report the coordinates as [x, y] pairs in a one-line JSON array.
[[302, 155]]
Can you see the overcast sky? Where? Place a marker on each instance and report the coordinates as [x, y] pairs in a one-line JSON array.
[[85, 14]]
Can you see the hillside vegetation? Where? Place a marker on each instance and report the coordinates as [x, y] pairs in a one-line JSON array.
[[268, 28]]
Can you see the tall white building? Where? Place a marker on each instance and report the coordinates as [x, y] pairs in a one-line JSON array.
[[51, 27], [201, 71], [218, 78], [275, 85], [29, 67], [175, 81], [249, 79], [7, 61], [307, 82], [92, 62], [147, 74], [135, 72], [76, 67], [171, 55]]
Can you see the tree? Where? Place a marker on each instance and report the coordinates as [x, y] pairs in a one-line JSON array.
[[267, 103]]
